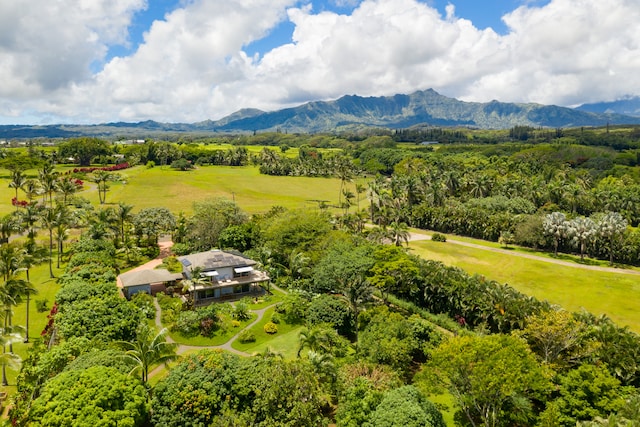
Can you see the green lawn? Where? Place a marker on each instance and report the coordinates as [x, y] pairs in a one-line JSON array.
[[264, 340], [284, 343], [616, 295], [177, 190], [220, 337]]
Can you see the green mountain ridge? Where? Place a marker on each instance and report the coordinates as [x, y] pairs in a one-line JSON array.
[[351, 112]]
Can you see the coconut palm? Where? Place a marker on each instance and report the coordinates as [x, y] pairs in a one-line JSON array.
[[9, 360], [148, 349], [315, 339], [18, 179]]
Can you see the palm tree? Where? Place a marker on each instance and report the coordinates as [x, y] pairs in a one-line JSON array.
[[8, 225], [9, 360], [68, 187], [399, 232], [48, 181], [32, 255], [102, 178], [51, 218], [124, 215], [148, 349], [357, 293], [315, 339], [18, 180], [30, 216], [32, 188]]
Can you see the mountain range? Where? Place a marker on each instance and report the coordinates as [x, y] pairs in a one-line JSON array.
[[352, 112]]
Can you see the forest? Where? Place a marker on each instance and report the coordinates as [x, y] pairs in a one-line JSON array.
[[358, 329]]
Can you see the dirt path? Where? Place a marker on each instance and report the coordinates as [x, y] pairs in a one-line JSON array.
[[419, 236]]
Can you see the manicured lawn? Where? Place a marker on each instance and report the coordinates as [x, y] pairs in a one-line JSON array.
[[285, 344], [616, 295], [220, 337], [262, 338], [177, 190]]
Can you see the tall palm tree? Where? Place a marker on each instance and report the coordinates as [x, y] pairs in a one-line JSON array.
[[148, 349], [18, 179], [30, 216], [102, 178], [315, 339], [9, 360], [68, 187], [9, 224], [32, 255], [399, 232], [48, 181], [124, 213], [32, 188]]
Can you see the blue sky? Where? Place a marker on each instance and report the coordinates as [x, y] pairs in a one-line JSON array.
[[192, 60], [483, 14]]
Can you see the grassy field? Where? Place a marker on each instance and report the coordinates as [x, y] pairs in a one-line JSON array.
[[252, 191], [616, 295]]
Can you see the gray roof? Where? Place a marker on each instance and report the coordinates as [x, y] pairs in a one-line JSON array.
[[215, 259], [147, 277]]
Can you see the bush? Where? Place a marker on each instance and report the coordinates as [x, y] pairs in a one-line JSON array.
[[246, 336], [275, 318], [235, 324], [181, 249], [145, 303], [438, 237], [181, 164], [42, 305], [151, 164], [270, 328], [241, 311]]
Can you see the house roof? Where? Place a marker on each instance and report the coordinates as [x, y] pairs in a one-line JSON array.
[[214, 259], [147, 277]]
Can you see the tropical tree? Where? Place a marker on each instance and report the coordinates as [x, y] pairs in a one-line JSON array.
[[582, 231], [84, 149], [124, 214], [610, 228], [102, 178], [494, 379], [555, 225], [18, 179], [9, 224], [315, 339], [9, 360], [48, 179], [32, 255], [148, 349]]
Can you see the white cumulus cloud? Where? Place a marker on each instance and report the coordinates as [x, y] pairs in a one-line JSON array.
[[192, 65]]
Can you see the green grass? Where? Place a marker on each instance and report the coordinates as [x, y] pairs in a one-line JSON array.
[[285, 343], [616, 295], [220, 337], [262, 337], [254, 193]]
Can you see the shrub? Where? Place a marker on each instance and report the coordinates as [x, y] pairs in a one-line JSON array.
[[151, 164], [270, 328], [275, 318], [235, 323], [42, 305], [240, 311], [144, 302], [438, 237], [246, 336]]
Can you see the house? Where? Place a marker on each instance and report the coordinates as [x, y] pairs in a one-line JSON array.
[[146, 281], [221, 274]]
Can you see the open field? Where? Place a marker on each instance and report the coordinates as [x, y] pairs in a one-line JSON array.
[[574, 288], [252, 191]]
